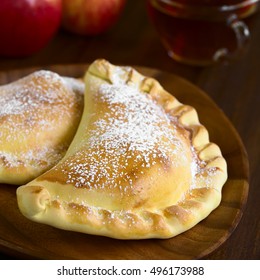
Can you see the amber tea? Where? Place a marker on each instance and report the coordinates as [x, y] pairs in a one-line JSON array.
[[200, 31]]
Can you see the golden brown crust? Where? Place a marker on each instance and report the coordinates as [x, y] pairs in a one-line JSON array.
[[152, 182], [39, 115]]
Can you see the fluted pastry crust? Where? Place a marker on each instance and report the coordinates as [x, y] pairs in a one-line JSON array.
[[140, 166], [39, 115]]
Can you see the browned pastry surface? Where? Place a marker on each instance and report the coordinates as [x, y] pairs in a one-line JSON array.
[[140, 166], [39, 115]]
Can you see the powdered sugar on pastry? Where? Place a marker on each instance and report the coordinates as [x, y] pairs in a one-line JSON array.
[[30, 111], [134, 131], [140, 165]]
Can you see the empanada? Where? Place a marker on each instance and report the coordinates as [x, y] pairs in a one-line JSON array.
[[140, 166], [39, 116]]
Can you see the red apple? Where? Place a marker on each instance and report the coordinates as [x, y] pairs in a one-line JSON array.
[[26, 26], [90, 17]]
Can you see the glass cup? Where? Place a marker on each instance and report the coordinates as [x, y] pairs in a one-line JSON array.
[[201, 32]]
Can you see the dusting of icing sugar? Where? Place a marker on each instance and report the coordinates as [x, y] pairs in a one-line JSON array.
[[140, 124], [117, 76], [75, 84], [134, 130], [28, 107], [27, 94], [200, 172], [35, 159], [195, 163]]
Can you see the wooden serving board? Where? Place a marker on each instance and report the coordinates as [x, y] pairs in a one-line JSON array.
[[25, 239]]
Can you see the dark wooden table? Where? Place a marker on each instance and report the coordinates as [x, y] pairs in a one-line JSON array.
[[235, 87]]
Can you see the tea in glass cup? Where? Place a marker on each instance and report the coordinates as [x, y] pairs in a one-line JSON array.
[[201, 32]]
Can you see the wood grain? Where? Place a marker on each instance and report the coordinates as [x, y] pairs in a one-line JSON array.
[[25, 239]]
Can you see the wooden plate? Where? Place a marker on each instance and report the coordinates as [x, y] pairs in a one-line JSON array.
[[25, 239]]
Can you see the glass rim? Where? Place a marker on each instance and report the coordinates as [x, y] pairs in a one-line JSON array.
[[213, 8]]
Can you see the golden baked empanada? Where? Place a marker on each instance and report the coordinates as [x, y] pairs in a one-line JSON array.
[[140, 166], [39, 115]]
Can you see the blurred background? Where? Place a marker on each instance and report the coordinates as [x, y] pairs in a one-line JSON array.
[[234, 86]]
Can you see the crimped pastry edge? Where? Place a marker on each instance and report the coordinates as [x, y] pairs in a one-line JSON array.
[[197, 204]]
